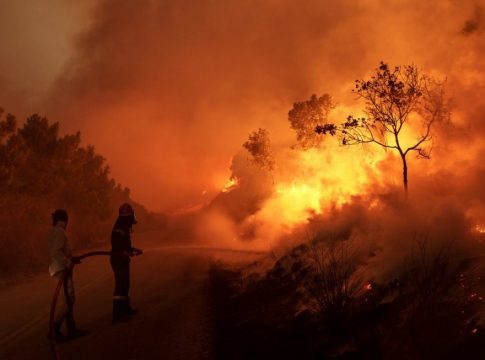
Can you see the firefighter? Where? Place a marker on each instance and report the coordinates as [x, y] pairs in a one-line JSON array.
[[62, 261], [122, 250]]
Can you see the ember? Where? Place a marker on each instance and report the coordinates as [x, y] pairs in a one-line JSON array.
[[480, 229], [231, 184]]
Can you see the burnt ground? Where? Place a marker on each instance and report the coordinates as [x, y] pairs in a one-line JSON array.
[[256, 324], [260, 320]]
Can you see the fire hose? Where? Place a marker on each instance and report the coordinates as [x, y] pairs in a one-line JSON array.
[[61, 282]]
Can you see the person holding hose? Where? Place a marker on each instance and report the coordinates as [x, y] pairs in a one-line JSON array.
[[62, 261], [121, 251]]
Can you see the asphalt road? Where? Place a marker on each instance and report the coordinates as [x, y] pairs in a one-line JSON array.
[[169, 287]]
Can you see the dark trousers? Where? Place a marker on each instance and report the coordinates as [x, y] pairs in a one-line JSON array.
[[121, 271]]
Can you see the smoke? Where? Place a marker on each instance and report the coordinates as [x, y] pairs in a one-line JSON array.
[[168, 90], [36, 38]]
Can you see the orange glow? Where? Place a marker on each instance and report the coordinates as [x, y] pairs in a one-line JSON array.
[[315, 181], [480, 229], [230, 184], [194, 107]]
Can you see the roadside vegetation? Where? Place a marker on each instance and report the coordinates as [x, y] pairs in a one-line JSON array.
[[314, 303], [41, 170]]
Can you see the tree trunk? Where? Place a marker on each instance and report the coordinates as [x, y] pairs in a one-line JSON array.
[[405, 174]]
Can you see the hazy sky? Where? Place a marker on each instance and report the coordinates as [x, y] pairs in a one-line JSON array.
[[168, 90], [36, 39]]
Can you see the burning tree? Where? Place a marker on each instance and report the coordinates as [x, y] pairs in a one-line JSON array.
[[259, 146], [306, 115], [396, 101]]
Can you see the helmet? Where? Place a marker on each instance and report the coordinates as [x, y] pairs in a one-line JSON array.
[[126, 210], [59, 215]]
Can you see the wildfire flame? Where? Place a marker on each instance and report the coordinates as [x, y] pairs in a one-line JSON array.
[[313, 182], [480, 229], [230, 184], [297, 192]]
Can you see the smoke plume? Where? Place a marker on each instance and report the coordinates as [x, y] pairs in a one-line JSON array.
[[169, 90]]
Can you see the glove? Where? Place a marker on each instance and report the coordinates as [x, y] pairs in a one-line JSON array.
[[75, 260], [136, 252]]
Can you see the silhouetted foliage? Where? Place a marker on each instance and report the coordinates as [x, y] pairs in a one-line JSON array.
[[333, 283], [306, 115], [430, 308], [396, 100], [40, 170], [259, 146]]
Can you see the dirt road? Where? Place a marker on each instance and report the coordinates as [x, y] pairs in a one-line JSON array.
[[168, 287]]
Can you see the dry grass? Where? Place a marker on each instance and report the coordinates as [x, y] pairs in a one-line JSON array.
[[334, 280]]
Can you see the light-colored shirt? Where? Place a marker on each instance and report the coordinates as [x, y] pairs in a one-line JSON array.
[[59, 249]]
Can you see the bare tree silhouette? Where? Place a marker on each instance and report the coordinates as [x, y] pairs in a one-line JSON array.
[[396, 100]]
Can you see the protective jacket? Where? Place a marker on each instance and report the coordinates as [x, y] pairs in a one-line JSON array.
[[59, 249], [121, 245]]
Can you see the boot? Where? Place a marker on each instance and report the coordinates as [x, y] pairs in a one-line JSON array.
[[120, 311], [72, 330], [131, 310], [58, 335]]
